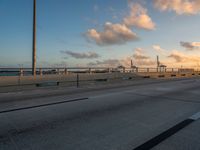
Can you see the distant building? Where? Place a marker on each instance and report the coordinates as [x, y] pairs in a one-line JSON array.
[[121, 68], [163, 66]]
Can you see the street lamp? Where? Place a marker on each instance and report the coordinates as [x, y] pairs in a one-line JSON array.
[[34, 40]]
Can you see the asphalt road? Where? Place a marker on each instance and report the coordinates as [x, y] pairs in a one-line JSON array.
[[115, 119]]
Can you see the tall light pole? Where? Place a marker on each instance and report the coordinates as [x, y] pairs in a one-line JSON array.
[[158, 62], [34, 40]]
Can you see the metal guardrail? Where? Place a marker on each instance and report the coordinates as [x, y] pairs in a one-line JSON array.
[[71, 70]]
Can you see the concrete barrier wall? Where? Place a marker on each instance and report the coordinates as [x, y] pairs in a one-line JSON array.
[[16, 80], [23, 80], [169, 74]]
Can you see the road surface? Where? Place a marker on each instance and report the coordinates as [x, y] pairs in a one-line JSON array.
[[108, 119]]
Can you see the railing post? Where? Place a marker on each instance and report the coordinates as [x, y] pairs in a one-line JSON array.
[[124, 70], [90, 71], [109, 70], [77, 80], [58, 71], [20, 75], [66, 71], [148, 70], [137, 70], [40, 71], [21, 72]]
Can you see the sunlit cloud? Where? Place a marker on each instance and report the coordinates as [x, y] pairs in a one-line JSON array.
[[140, 58], [86, 55], [178, 56], [112, 34], [181, 57], [139, 18], [191, 45], [139, 54], [189, 7], [121, 33], [173, 58], [160, 50]]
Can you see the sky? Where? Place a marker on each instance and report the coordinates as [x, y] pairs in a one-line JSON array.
[[101, 33]]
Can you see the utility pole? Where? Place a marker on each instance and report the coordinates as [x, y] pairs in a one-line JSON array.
[[158, 62], [131, 63], [34, 40]]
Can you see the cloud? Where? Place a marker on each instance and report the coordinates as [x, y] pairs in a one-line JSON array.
[[142, 59], [138, 54], [139, 58], [106, 63], [190, 45], [61, 64], [112, 34], [180, 57], [139, 18], [158, 49], [177, 58], [87, 55], [121, 33], [189, 7]]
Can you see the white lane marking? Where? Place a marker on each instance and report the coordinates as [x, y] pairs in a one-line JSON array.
[[195, 116]]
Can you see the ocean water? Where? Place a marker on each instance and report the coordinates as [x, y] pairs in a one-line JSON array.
[[9, 73], [13, 73]]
